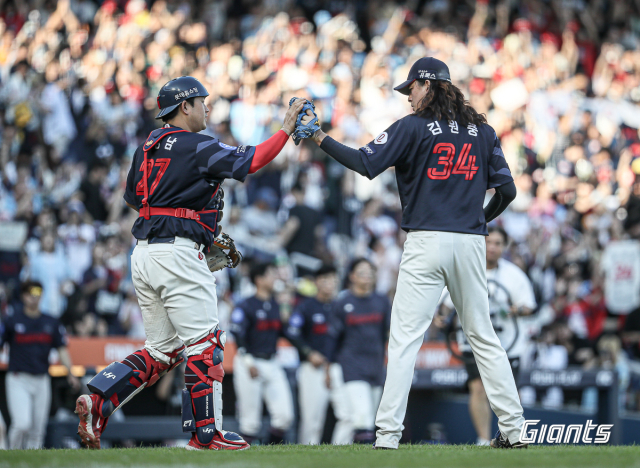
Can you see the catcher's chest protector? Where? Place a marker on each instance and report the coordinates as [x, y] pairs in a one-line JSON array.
[[207, 218]]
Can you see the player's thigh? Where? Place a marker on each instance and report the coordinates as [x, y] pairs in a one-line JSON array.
[[160, 332], [249, 398], [313, 393], [360, 399], [338, 393], [187, 290], [376, 396], [420, 284], [19, 402], [467, 283], [277, 394], [41, 400], [248, 389]]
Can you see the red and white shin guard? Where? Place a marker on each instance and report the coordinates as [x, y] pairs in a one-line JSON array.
[[202, 415]]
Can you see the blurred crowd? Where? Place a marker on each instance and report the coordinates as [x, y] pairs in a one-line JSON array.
[[558, 81]]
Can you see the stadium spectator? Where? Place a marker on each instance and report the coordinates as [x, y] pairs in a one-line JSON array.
[[49, 266]]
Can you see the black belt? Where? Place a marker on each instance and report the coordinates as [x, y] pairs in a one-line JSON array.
[[266, 356], [166, 240]]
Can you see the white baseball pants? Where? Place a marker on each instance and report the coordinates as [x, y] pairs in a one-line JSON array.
[[3, 434], [431, 260], [177, 296], [271, 385], [364, 399], [29, 401], [314, 396]]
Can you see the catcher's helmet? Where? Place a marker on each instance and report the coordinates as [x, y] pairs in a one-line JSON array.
[[176, 91]]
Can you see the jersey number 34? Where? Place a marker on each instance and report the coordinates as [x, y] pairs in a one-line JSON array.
[[465, 165]]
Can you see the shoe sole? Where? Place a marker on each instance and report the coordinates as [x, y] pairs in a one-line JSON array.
[[219, 447], [83, 410], [518, 446]]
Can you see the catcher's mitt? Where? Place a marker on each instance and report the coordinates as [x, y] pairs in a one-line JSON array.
[[223, 253], [305, 131]]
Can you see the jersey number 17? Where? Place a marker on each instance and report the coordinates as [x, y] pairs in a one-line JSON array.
[[162, 164], [465, 164]]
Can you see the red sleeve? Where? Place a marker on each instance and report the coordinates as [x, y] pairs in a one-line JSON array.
[[268, 150]]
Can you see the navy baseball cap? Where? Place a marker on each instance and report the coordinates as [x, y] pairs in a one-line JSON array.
[[176, 91], [426, 68]]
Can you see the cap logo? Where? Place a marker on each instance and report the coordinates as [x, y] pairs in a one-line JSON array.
[[185, 93], [158, 100], [426, 75]]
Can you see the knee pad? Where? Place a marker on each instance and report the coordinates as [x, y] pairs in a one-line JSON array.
[[148, 370], [202, 397], [119, 382]]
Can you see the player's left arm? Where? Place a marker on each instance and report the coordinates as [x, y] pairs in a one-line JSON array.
[[338, 322], [499, 178], [65, 359], [60, 342]]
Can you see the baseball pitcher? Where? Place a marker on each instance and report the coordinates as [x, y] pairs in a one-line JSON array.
[[445, 158]]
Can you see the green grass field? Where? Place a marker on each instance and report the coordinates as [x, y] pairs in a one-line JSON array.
[[332, 457]]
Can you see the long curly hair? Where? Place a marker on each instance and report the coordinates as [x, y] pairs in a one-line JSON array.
[[444, 101]]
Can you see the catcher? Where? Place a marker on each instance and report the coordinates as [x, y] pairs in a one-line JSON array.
[[174, 184]]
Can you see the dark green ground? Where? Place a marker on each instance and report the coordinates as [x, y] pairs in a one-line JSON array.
[[333, 457]]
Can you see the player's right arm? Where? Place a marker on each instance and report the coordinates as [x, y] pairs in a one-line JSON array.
[[3, 332], [374, 158], [130, 188], [221, 161]]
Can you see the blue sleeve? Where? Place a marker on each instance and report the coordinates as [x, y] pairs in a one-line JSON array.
[[4, 334], [499, 173], [295, 332], [387, 149], [296, 323], [387, 318], [239, 326], [222, 161], [59, 336], [338, 321], [130, 189]]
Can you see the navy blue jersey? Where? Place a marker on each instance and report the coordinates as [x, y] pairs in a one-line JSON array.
[[362, 327], [30, 340], [310, 328], [256, 326], [187, 168], [443, 171]]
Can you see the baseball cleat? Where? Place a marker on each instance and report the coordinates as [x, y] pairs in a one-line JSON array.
[[91, 423], [502, 442], [382, 448], [223, 440]]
